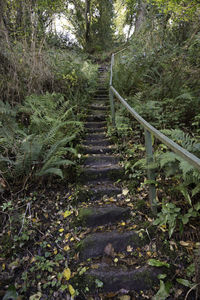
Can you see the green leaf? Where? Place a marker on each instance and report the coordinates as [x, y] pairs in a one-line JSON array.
[[162, 276], [11, 293], [55, 171], [98, 283], [157, 263], [163, 292], [185, 282]]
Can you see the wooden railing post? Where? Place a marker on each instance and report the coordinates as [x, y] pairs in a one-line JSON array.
[[111, 95], [150, 171], [112, 106]]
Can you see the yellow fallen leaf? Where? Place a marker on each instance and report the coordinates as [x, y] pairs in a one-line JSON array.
[[67, 213], [148, 253], [48, 245], [33, 259], [67, 236], [66, 248], [125, 192], [55, 251], [61, 229], [129, 249], [3, 267], [116, 260], [122, 223], [71, 290], [67, 273]]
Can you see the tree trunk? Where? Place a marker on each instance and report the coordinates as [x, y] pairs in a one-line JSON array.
[[87, 22], [141, 15]]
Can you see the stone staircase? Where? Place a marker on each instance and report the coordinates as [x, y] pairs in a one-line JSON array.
[[100, 172]]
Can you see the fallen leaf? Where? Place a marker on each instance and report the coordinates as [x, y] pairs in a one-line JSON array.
[[36, 296], [67, 273], [109, 250], [129, 249], [125, 297], [125, 192], [71, 290], [66, 248], [67, 213], [61, 229]]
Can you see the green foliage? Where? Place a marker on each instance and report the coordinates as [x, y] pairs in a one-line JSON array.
[[45, 145], [157, 74]]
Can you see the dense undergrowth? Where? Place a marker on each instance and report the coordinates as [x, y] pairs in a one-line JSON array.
[[41, 111], [158, 76]]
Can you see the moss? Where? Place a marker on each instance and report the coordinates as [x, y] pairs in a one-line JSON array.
[[84, 213]]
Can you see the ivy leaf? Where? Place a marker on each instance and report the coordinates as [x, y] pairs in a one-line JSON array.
[[67, 273], [157, 263]]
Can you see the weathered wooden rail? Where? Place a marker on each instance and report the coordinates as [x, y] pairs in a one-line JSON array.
[[149, 130]]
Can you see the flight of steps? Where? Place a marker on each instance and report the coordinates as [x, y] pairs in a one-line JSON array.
[[101, 170]]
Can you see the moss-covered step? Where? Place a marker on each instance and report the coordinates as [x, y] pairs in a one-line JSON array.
[[113, 172], [95, 244], [92, 149], [96, 190], [94, 125], [115, 279], [96, 216], [101, 160]]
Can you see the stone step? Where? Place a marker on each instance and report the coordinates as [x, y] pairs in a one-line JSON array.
[[95, 190], [101, 160], [96, 216], [98, 149], [96, 244], [96, 118], [98, 113], [94, 125], [95, 136], [100, 142], [113, 172], [95, 130], [117, 278], [98, 106]]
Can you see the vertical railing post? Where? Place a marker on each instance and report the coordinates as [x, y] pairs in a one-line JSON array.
[[111, 96], [150, 171], [112, 106]]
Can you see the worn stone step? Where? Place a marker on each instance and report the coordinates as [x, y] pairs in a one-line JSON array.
[[96, 113], [95, 130], [105, 100], [95, 136], [96, 216], [94, 125], [117, 278], [99, 107], [96, 118], [101, 160], [100, 142], [88, 149], [98, 190], [95, 244], [102, 172]]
